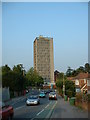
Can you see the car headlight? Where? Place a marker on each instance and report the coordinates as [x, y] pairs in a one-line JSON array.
[[27, 101], [35, 101]]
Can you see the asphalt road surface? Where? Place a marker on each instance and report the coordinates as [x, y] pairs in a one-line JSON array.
[[46, 109]]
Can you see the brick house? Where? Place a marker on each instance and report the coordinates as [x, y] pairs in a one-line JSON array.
[[82, 82], [56, 73]]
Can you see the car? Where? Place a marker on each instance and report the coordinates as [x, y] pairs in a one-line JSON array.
[[52, 95], [42, 94], [44, 91], [6, 111], [33, 100]]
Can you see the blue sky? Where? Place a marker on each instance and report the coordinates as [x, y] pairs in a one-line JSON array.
[[67, 23]]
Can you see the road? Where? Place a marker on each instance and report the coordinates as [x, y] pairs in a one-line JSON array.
[[47, 109]]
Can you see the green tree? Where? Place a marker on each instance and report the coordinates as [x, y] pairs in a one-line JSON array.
[[70, 88], [60, 76], [14, 79], [0, 76], [59, 85], [5, 69], [74, 73], [6, 79], [33, 78], [69, 72], [80, 70], [87, 67], [19, 78]]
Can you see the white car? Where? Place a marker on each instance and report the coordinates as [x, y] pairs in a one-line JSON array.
[[52, 95], [33, 100]]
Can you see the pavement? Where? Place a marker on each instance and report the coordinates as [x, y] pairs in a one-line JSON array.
[[16, 100], [63, 109]]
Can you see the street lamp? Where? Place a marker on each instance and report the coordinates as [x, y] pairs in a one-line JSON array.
[[63, 85], [23, 71]]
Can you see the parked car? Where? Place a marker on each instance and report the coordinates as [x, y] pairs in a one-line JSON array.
[[52, 95], [33, 100], [6, 111], [42, 94]]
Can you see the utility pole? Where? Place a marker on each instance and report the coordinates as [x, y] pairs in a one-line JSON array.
[[63, 86]]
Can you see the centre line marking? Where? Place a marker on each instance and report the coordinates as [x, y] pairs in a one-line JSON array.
[[47, 106], [40, 112]]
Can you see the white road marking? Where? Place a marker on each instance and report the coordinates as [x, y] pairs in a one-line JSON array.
[[51, 110], [43, 109], [50, 102], [32, 118], [40, 112], [54, 105], [47, 106], [19, 107]]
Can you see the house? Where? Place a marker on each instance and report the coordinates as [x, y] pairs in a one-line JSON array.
[[82, 82], [56, 73]]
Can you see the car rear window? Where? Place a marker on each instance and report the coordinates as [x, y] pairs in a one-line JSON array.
[[33, 97]]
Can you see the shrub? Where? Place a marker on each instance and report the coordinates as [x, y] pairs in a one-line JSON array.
[[88, 97], [79, 97], [69, 93]]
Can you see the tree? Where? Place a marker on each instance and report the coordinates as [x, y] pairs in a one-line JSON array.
[[80, 70], [60, 76], [0, 76], [5, 69], [74, 73], [87, 67], [69, 72], [33, 78], [59, 85], [6, 79], [70, 88], [19, 78], [13, 79]]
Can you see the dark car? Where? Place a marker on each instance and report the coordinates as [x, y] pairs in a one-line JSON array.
[[6, 111]]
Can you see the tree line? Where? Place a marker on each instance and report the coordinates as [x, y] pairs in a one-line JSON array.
[[73, 72], [17, 79]]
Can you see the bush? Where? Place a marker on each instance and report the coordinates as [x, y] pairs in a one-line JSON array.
[[11, 94], [88, 97], [69, 93], [79, 97]]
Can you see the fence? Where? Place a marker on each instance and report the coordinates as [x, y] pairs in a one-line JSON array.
[[5, 94]]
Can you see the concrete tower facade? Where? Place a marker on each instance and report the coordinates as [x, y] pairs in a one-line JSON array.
[[43, 58]]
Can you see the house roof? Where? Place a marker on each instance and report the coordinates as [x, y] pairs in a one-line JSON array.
[[56, 72], [70, 78], [82, 76]]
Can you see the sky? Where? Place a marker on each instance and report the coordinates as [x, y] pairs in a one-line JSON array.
[[66, 22]]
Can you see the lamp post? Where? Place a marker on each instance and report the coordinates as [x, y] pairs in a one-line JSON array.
[[63, 86], [23, 71]]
